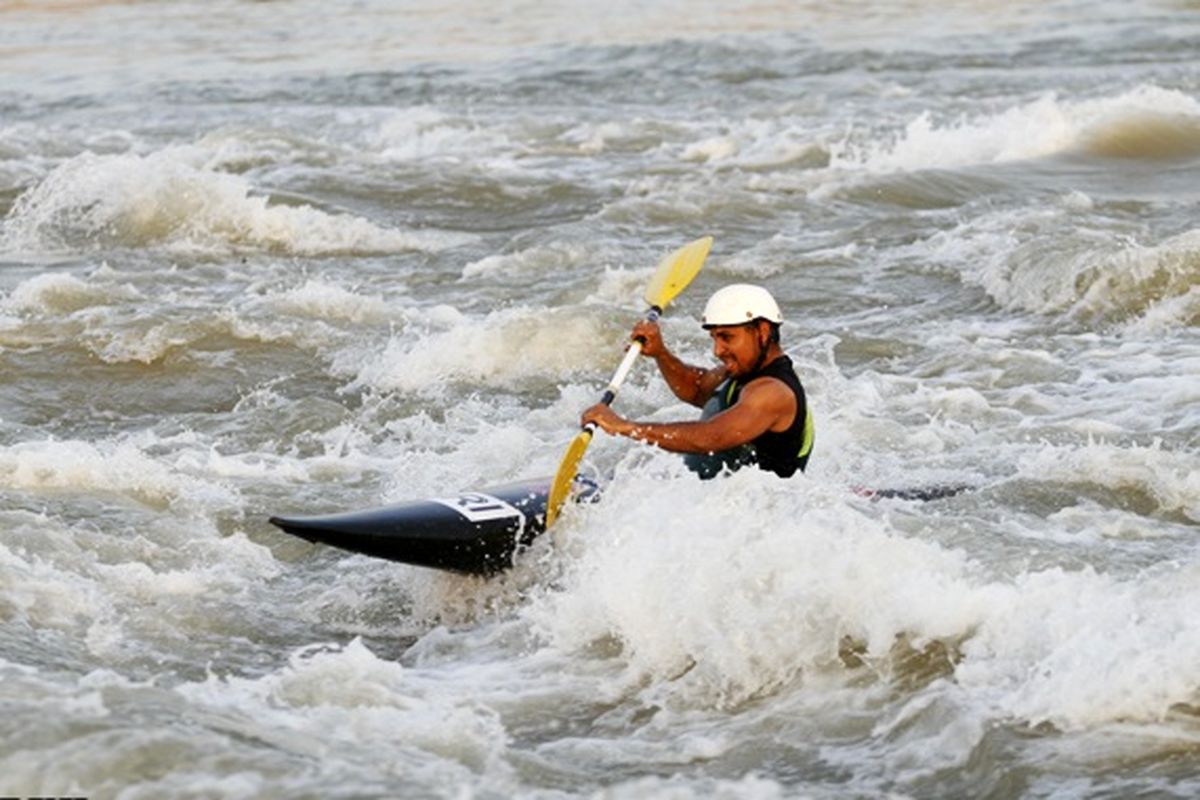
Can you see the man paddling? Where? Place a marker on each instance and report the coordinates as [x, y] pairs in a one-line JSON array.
[[755, 410]]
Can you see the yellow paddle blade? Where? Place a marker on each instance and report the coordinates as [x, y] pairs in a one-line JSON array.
[[676, 271], [560, 488]]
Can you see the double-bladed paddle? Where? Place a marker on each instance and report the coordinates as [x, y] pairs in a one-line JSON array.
[[674, 273]]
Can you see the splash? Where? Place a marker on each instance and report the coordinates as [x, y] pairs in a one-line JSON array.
[[1081, 649], [743, 602], [714, 595]]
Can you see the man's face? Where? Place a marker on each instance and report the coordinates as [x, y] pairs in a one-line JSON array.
[[737, 346]]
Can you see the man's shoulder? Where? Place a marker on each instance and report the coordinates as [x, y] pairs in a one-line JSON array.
[[767, 388]]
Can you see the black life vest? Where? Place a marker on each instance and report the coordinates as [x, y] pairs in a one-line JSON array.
[[782, 453]]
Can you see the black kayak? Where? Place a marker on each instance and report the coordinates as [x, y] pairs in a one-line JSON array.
[[477, 533]]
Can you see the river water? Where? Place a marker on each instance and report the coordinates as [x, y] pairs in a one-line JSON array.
[[298, 257]]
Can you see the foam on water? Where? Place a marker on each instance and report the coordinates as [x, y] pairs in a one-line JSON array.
[[119, 467], [1169, 478], [351, 707], [503, 348], [39, 593], [425, 134], [1158, 285], [103, 714], [122, 594], [174, 198], [759, 145], [1146, 122], [1025, 262], [57, 293], [537, 260], [719, 594], [724, 555], [108, 313], [1080, 649], [323, 300]]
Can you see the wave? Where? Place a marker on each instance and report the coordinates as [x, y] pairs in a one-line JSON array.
[[322, 300], [1145, 122], [54, 293], [1158, 286], [760, 144], [1166, 478], [550, 258], [421, 134], [442, 345], [109, 467], [173, 198], [107, 314], [1043, 260]]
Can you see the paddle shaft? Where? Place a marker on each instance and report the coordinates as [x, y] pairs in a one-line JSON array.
[[631, 355]]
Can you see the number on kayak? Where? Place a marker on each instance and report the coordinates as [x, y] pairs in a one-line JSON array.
[[479, 507]]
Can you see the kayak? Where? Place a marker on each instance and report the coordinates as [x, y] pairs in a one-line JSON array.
[[475, 533]]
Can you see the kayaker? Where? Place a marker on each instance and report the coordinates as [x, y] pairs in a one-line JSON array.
[[755, 411]]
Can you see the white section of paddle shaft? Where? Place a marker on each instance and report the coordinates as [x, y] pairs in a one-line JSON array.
[[631, 355], [622, 371]]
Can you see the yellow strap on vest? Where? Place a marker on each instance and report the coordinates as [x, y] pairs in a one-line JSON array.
[[807, 442], [729, 393]]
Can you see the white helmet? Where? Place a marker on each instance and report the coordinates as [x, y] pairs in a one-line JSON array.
[[738, 304]]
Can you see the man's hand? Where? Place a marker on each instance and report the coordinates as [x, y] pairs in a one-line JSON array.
[[604, 418], [651, 336]]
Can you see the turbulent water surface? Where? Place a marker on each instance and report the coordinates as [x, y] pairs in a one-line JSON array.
[[296, 257]]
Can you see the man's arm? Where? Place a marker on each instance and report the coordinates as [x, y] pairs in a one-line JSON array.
[[690, 384], [766, 404]]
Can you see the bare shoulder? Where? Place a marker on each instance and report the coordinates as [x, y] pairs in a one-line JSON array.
[[771, 397]]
